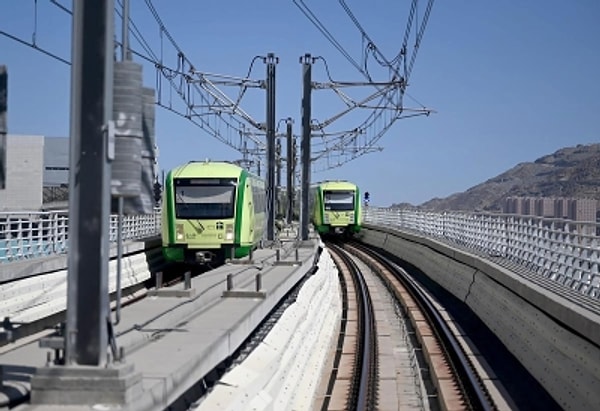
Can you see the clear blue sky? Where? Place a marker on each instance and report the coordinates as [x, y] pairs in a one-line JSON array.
[[510, 80]]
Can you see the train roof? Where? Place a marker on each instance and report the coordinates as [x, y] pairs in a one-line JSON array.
[[208, 169], [337, 185]]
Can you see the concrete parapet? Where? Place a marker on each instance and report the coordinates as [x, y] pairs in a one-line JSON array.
[[557, 340], [283, 379]]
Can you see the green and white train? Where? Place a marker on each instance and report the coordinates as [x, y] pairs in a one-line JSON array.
[[336, 207], [211, 210]]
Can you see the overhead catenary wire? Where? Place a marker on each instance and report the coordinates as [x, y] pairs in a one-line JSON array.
[[371, 44], [60, 6], [188, 89], [317, 23], [364, 70], [40, 49], [220, 116], [389, 107], [421, 32]]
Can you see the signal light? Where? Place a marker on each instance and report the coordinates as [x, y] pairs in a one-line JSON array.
[[157, 193]]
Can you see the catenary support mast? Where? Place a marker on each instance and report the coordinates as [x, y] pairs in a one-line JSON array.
[[271, 61], [306, 61], [291, 165], [3, 126], [89, 182]]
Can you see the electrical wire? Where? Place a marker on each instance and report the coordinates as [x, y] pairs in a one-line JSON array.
[[34, 46], [60, 6], [317, 23], [371, 44], [420, 34], [213, 102]]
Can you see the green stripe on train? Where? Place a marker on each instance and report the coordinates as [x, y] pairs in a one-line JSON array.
[[239, 210], [170, 208]]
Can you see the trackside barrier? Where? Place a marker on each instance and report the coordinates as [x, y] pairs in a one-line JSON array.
[[567, 252], [34, 301], [31, 299], [555, 336], [272, 378], [30, 235], [564, 251], [33, 234]]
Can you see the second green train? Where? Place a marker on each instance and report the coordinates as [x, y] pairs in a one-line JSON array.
[[336, 208]]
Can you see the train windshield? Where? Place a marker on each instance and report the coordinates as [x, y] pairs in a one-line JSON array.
[[339, 200], [212, 198]]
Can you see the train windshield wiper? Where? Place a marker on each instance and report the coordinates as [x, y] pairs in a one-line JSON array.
[[180, 199]]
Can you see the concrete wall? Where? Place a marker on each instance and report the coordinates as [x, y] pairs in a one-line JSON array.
[[557, 340], [40, 294], [24, 170]]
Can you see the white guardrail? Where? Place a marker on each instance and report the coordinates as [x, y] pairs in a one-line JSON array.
[[565, 251], [29, 235]]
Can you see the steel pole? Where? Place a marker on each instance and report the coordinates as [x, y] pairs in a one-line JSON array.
[[89, 182], [277, 176], [290, 171], [305, 144], [270, 88], [3, 126], [125, 52]]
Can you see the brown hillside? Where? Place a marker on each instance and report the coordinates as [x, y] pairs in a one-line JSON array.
[[569, 172]]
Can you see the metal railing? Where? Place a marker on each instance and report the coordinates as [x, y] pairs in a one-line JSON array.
[[29, 235], [562, 250]]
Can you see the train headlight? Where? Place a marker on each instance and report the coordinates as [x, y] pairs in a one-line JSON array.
[[326, 218], [351, 216], [229, 232], [179, 233]]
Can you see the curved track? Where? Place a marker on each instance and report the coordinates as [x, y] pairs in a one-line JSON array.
[[360, 390], [455, 383]]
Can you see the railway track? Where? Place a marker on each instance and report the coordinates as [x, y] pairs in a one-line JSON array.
[[443, 376], [353, 389]]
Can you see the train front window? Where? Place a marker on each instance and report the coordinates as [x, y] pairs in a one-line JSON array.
[[199, 198], [339, 200]]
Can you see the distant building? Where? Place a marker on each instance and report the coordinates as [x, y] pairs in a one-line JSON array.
[[513, 205], [529, 206], [576, 209], [24, 173], [56, 161], [544, 207], [561, 208], [56, 173], [37, 172], [37, 176], [583, 210]]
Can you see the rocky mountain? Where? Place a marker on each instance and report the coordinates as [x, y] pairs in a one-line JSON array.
[[569, 172]]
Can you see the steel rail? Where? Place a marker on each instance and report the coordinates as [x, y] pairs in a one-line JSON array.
[[471, 384], [364, 384]]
